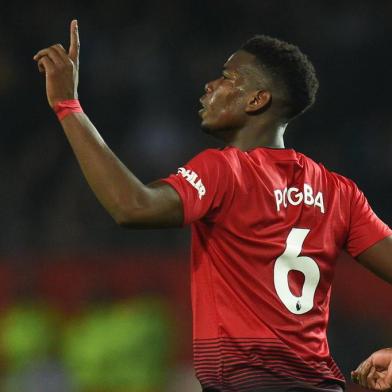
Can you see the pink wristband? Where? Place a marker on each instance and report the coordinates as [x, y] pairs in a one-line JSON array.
[[64, 108]]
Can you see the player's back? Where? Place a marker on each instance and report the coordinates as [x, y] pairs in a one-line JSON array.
[[273, 243], [267, 227]]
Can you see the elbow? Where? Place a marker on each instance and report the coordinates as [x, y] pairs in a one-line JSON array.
[[123, 218], [138, 212], [130, 218]]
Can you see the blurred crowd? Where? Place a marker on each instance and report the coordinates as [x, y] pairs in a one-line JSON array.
[[143, 68], [118, 347]]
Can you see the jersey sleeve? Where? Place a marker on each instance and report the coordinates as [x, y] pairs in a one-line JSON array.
[[203, 185], [366, 228]]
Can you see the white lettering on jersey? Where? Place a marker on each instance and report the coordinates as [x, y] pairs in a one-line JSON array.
[[294, 197], [193, 179]]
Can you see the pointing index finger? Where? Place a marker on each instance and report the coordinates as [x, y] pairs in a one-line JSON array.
[[74, 41]]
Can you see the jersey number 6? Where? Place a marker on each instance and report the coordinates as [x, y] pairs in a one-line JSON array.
[[290, 260]]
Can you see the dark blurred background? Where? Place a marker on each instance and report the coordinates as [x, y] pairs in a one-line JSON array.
[[67, 267]]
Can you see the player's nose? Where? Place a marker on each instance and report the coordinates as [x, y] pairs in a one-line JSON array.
[[208, 88]]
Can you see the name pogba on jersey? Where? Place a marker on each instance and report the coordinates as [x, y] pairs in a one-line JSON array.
[[294, 197]]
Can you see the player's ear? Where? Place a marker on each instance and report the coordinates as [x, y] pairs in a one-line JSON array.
[[258, 100]]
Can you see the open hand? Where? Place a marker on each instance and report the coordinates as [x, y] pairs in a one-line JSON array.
[[61, 68], [376, 371]]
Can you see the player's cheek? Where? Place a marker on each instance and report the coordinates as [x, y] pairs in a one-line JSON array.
[[232, 115]]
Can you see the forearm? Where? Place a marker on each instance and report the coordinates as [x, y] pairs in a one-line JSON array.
[[117, 189]]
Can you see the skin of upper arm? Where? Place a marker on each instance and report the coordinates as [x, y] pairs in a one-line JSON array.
[[161, 207], [378, 259]]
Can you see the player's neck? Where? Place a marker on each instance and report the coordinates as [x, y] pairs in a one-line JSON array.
[[270, 135]]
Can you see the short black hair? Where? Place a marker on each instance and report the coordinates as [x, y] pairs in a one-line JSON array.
[[286, 66]]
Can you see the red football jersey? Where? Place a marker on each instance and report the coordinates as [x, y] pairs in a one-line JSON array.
[[267, 227]]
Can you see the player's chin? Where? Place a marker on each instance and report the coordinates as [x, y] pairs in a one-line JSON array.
[[207, 127], [213, 130], [212, 125]]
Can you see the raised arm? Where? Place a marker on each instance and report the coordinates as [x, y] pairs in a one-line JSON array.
[[129, 201]]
